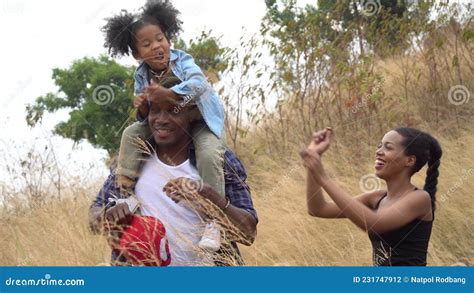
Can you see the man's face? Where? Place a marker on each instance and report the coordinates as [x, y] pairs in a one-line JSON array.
[[169, 122]]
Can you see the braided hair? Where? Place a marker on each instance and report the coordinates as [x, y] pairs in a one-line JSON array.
[[120, 29], [427, 150]]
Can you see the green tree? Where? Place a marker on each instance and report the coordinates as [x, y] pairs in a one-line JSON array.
[[332, 45], [98, 93], [208, 53]]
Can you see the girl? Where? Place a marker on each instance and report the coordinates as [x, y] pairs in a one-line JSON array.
[[398, 220], [173, 73]]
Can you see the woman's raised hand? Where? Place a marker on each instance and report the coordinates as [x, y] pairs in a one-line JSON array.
[[312, 154], [320, 142]]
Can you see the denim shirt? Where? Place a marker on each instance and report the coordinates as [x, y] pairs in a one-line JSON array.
[[194, 84]]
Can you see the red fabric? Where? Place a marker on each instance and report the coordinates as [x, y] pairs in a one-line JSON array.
[[143, 240]]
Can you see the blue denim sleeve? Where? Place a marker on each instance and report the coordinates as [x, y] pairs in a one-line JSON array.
[[194, 82], [139, 80], [236, 187], [139, 86]]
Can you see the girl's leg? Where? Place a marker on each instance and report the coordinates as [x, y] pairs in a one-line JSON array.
[[130, 158], [210, 164], [209, 156]]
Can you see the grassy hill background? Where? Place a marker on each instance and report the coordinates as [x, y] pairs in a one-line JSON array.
[[56, 233], [358, 78]]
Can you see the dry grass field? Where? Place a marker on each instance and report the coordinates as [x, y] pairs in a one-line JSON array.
[[57, 233]]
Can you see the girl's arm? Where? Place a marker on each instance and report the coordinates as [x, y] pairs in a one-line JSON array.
[[194, 83]]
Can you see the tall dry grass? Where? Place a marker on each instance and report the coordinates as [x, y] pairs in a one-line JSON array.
[[56, 233], [287, 235]]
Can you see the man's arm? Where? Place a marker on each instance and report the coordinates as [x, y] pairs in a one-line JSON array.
[[241, 210], [118, 214], [97, 209], [239, 216]]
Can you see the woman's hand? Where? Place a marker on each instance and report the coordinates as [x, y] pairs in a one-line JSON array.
[[312, 154], [321, 141]]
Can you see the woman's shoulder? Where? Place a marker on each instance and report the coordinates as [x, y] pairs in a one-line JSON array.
[[420, 198], [419, 202], [372, 198]]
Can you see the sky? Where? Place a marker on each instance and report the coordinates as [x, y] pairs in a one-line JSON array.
[[38, 36]]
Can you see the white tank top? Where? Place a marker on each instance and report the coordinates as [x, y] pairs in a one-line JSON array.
[[184, 227]]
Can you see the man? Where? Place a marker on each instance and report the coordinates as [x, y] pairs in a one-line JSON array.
[[171, 121]]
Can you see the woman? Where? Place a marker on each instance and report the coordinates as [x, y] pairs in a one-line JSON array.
[[398, 220]]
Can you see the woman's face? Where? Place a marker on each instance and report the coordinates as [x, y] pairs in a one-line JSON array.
[[152, 47], [390, 158]]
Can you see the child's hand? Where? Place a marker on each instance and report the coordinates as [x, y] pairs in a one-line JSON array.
[[141, 103], [156, 92]]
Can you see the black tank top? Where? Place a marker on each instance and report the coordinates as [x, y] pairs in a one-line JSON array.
[[405, 246]]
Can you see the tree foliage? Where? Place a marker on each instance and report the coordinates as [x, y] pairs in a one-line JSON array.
[[208, 53], [97, 93]]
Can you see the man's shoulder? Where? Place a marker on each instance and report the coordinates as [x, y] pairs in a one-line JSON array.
[[231, 156], [231, 161], [233, 165]]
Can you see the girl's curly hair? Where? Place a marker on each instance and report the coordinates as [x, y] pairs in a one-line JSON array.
[[120, 29]]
